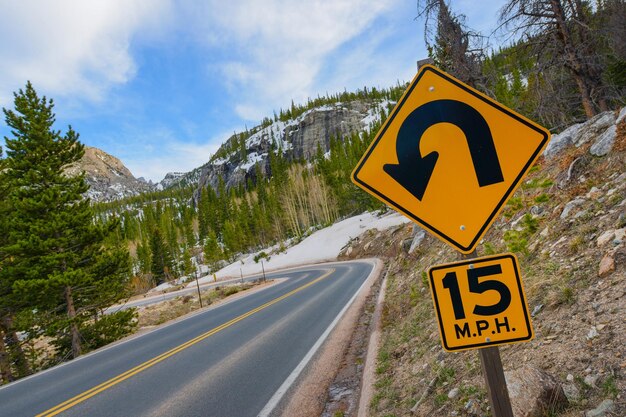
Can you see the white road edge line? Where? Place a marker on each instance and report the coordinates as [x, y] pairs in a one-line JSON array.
[[282, 390]]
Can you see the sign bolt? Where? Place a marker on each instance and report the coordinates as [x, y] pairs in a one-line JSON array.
[[471, 266], [462, 227], [488, 339], [431, 88]]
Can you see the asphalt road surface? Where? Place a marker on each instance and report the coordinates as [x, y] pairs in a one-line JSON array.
[[227, 361]]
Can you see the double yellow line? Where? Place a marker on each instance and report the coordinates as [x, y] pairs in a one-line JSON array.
[[142, 367]]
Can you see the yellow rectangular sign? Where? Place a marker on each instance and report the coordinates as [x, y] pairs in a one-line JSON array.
[[480, 302]]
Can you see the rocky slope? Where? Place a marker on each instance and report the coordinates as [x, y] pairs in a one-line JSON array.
[[181, 179], [567, 225], [297, 139], [107, 176]]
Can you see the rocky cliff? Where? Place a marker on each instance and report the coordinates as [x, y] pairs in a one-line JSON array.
[[107, 176], [181, 179], [297, 139]]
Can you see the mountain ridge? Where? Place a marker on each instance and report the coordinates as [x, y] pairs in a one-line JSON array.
[[108, 178]]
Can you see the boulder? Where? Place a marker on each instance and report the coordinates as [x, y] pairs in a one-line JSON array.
[[571, 206], [581, 133], [571, 392], [534, 393], [453, 393], [593, 333], [605, 237], [417, 239], [562, 140], [605, 407], [607, 265], [604, 143], [593, 127], [621, 116], [594, 194]]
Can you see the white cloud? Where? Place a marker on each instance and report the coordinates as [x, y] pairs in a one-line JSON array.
[[279, 46], [372, 62], [72, 47], [174, 156], [156, 151]]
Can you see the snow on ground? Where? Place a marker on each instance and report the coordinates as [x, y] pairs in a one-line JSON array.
[[168, 285], [322, 245], [162, 287], [252, 159]]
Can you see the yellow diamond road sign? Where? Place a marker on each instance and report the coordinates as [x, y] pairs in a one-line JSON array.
[[480, 302], [449, 157]]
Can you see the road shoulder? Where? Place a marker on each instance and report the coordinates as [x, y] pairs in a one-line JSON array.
[[309, 395]]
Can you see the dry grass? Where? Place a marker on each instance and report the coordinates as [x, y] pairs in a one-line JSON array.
[[620, 139], [140, 284], [566, 159]]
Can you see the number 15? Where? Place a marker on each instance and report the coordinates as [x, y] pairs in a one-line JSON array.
[[450, 282]]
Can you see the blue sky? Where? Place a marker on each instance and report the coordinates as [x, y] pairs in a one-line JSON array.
[[162, 83]]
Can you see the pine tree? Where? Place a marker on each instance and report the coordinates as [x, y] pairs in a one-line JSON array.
[[212, 250], [143, 256], [8, 303], [161, 263], [57, 259], [186, 265]]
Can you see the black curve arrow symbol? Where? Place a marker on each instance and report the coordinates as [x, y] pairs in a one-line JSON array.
[[413, 170]]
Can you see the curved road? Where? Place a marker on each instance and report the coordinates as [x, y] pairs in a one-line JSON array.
[[189, 289], [232, 360]]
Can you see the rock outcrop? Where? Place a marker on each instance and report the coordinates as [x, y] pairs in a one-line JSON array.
[[601, 130], [296, 139], [107, 176], [180, 179]]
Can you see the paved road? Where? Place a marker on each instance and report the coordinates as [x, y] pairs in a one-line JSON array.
[[228, 361]]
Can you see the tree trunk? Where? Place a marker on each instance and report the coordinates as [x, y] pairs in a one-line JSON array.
[[583, 78], [71, 313], [14, 347], [585, 96], [6, 375]]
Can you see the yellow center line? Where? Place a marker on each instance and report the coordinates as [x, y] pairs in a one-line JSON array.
[[149, 363]]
